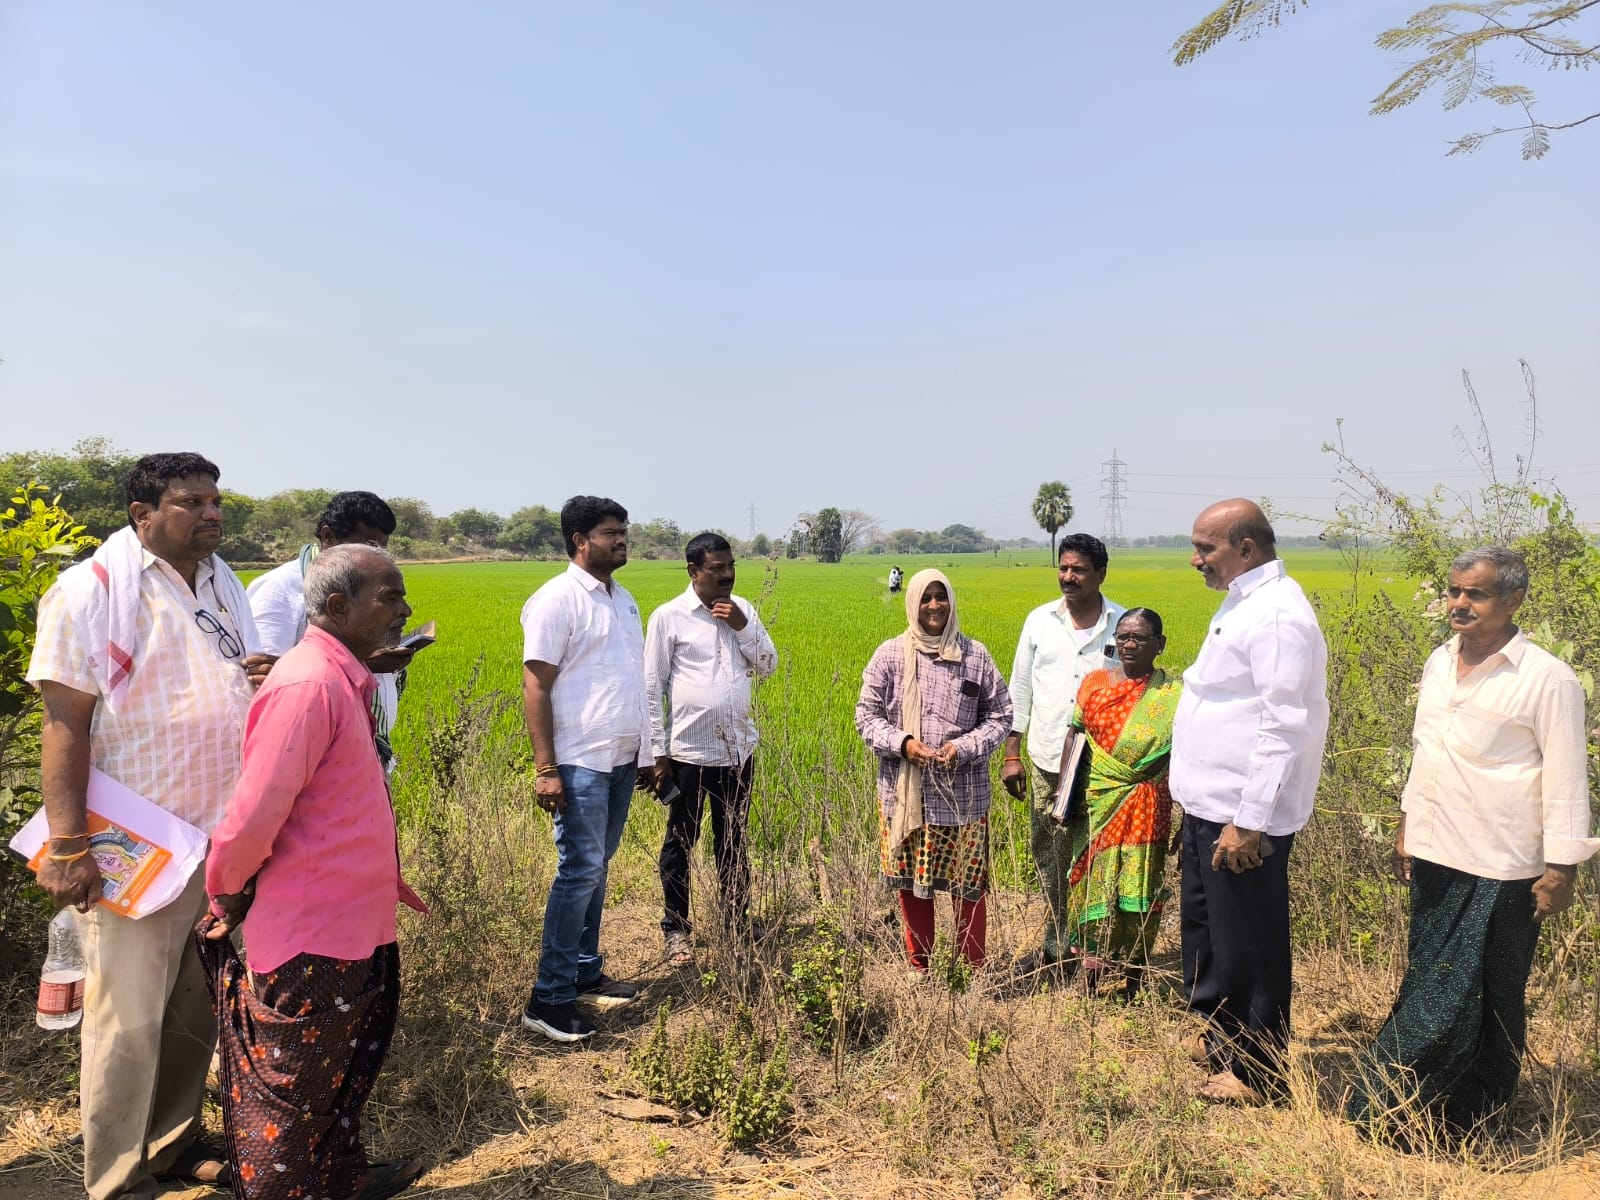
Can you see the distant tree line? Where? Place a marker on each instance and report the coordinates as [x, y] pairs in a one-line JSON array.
[[90, 479]]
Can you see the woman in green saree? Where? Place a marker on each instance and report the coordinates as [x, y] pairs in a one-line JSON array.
[[1119, 832]]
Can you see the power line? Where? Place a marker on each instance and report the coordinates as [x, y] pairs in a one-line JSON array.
[[1112, 494]]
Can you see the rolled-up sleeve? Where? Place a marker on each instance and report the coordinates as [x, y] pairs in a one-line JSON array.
[[980, 742], [1021, 690], [286, 735], [60, 654], [755, 643], [657, 680], [1282, 663], [546, 628], [883, 736], [1564, 776]]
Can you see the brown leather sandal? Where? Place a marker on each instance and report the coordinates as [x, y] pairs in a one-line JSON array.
[[201, 1161]]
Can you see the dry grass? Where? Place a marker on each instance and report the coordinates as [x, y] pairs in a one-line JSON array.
[[1079, 1096]]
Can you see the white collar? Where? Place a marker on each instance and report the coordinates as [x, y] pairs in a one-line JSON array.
[[203, 570], [1244, 584], [1065, 613], [590, 583]]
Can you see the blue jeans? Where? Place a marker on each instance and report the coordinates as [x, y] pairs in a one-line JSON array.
[[588, 832]]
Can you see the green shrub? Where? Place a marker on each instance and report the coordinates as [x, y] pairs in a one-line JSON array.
[[824, 982], [739, 1079], [37, 540], [947, 966]]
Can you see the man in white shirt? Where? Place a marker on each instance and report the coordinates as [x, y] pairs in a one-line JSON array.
[[278, 601], [1061, 642], [1494, 822], [583, 696], [703, 652], [1247, 747], [145, 659]]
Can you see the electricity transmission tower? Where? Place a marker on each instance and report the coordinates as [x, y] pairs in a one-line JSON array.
[[1113, 491], [750, 521]]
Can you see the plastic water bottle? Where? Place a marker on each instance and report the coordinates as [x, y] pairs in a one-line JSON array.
[[61, 982]]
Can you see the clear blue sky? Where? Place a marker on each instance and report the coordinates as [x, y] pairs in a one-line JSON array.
[[913, 258]]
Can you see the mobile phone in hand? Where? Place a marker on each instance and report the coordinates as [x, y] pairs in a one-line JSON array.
[[423, 635]]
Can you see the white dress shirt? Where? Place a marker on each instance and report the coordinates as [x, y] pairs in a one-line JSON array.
[[1253, 718], [698, 673], [1499, 784], [1050, 664], [595, 641], [278, 604]]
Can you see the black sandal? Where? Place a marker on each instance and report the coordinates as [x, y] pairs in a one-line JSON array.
[[390, 1178]]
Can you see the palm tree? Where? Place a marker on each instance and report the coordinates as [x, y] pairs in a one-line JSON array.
[[1052, 508]]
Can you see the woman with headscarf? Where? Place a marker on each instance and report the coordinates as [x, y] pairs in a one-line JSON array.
[[1119, 831], [933, 708]]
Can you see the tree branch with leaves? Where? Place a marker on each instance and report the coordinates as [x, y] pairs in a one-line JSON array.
[[1457, 44]]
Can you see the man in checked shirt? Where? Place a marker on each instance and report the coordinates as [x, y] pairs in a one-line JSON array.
[[703, 653]]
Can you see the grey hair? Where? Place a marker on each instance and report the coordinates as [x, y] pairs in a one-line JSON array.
[[342, 569], [1510, 568]]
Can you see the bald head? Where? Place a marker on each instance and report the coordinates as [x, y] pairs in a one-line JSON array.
[[1230, 538], [1243, 519]]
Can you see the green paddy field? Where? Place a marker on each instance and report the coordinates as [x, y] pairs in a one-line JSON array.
[[826, 619]]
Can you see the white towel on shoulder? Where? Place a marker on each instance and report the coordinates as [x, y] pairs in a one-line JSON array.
[[109, 613]]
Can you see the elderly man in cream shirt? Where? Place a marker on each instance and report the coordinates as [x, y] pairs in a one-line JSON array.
[[1494, 821]]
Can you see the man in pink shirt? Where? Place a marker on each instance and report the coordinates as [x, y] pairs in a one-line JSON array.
[[308, 850]]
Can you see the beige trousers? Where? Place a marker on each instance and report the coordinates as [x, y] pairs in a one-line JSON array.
[[148, 1034]]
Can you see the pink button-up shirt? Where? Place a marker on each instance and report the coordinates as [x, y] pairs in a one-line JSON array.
[[310, 819]]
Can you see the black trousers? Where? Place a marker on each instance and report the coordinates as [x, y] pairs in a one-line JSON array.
[[1236, 965], [728, 789]]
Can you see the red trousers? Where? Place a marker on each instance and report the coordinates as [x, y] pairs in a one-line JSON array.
[[972, 927]]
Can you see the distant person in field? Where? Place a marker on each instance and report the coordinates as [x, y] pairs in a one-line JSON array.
[[895, 576], [1061, 643], [1119, 834], [584, 697], [306, 861], [1494, 821], [703, 654], [933, 708], [145, 658], [1246, 757], [278, 601]]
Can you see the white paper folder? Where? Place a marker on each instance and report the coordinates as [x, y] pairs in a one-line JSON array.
[[145, 854]]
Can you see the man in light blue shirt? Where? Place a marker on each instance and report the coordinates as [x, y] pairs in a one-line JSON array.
[[1061, 642]]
